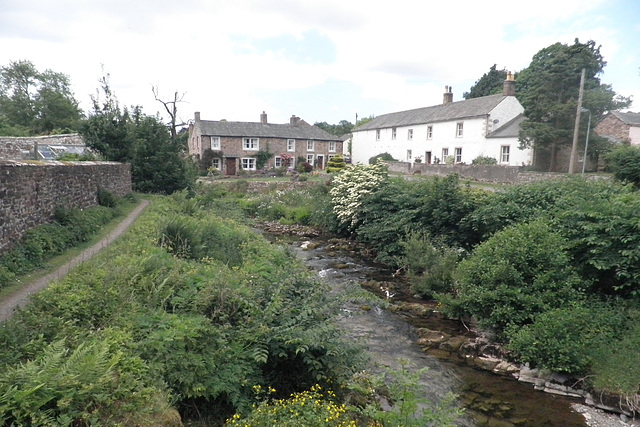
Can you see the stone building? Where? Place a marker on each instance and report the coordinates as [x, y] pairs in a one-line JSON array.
[[234, 146], [620, 127]]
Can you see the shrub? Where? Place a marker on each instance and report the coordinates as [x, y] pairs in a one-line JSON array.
[[624, 162], [514, 276], [429, 264], [484, 160], [382, 156], [563, 339], [308, 408], [106, 198], [336, 164]]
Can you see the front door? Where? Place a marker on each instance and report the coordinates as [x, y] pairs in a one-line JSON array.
[[427, 157], [320, 161], [231, 166]]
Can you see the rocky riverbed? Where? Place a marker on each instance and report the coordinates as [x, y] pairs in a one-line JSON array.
[[429, 337]]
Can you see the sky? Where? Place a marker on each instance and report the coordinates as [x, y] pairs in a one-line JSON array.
[[321, 60]]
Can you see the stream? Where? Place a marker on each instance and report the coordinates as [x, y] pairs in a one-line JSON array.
[[488, 399]]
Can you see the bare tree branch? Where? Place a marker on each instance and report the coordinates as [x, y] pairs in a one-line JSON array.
[[171, 107]]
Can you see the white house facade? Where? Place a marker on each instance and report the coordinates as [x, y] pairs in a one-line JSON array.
[[455, 132]]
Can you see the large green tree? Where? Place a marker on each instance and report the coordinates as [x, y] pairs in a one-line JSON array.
[[548, 89], [158, 161], [490, 83], [36, 103], [342, 128]]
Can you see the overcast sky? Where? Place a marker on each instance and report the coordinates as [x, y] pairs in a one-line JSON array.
[[322, 60]]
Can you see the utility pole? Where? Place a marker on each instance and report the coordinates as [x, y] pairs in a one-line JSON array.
[[574, 146]]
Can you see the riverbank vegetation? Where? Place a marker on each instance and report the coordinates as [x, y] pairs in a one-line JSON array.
[[182, 320], [550, 268]]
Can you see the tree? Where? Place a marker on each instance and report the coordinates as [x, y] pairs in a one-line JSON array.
[[158, 164], [34, 103], [342, 128], [171, 108], [548, 89], [490, 83]]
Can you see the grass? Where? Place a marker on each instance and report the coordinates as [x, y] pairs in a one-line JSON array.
[[60, 260]]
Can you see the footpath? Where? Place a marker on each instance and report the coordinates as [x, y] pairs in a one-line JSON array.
[[21, 297]]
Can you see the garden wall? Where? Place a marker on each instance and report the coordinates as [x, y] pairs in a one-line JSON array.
[[484, 173], [31, 190]]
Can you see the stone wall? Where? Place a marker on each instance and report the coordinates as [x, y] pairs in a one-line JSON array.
[[31, 190], [483, 173], [18, 148]]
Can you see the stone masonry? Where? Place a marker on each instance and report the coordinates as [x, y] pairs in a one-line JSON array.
[[31, 190]]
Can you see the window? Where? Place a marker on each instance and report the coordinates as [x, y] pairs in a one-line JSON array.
[[332, 146], [377, 134], [458, 156], [250, 144], [331, 156], [459, 129], [409, 155], [445, 154], [429, 132], [410, 134], [291, 145], [310, 159], [310, 145], [215, 142], [249, 163], [504, 154], [215, 163], [393, 133], [278, 162]]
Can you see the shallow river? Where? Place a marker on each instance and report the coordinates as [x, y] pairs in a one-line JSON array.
[[488, 399]]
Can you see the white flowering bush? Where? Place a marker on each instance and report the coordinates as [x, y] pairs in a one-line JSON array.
[[349, 187]]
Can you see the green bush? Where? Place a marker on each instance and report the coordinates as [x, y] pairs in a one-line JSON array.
[[514, 276], [382, 156], [484, 160], [624, 162], [564, 339], [429, 265], [106, 198]]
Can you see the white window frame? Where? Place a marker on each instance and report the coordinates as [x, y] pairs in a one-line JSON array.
[[377, 134], [277, 161], [393, 133], [215, 143], [215, 163], [248, 163], [410, 134], [459, 129], [251, 144], [310, 159], [332, 146], [409, 155], [505, 153], [311, 145], [457, 156], [430, 132], [445, 154], [291, 145]]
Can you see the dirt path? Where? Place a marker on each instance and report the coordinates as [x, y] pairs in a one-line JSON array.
[[20, 298]]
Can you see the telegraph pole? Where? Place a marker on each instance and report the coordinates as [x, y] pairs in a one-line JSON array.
[[574, 146]]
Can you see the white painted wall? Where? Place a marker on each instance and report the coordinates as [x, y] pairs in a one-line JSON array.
[[473, 141], [634, 135]]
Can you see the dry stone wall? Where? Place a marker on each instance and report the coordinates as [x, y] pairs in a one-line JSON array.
[[31, 190]]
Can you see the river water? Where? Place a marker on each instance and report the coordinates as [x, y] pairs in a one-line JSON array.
[[488, 399]]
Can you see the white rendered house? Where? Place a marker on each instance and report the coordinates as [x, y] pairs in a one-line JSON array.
[[461, 131]]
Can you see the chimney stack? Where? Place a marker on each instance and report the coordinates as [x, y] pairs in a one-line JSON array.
[[196, 116], [509, 86], [448, 95], [293, 120], [263, 118]]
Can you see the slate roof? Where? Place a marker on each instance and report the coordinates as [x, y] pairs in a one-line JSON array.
[[302, 130], [510, 129], [438, 113], [628, 118]]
